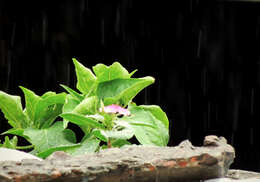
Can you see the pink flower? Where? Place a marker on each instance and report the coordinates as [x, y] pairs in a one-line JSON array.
[[116, 109]]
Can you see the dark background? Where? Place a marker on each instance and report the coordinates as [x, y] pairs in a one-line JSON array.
[[205, 56]]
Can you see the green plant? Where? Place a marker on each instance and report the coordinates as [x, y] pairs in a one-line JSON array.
[[102, 107], [36, 122], [105, 97]]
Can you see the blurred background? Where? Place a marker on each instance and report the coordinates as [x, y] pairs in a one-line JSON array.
[[204, 55]]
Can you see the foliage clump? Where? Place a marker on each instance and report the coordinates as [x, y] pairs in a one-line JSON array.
[[102, 107]]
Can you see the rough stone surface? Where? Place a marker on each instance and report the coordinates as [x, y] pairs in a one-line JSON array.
[[15, 155], [184, 162]]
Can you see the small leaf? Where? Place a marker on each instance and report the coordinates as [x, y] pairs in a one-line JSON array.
[[122, 90], [100, 135], [115, 71], [86, 80], [82, 120], [12, 108], [15, 131], [73, 93], [10, 143]]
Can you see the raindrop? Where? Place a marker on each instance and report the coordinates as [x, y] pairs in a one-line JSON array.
[[204, 80], [162, 56], [199, 43], [252, 101], [235, 113], [102, 31], [13, 34], [82, 9], [117, 22], [209, 112], [8, 69], [44, 28], [189, 102], [251, 136], [87, 7]]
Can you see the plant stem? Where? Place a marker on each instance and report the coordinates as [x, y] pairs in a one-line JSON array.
[[109, 144], [24, 147]]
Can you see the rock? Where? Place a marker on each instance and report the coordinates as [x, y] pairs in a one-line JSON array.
[[233, 180], [238, 176], [15, 155], [58, 155], [132, 163], [242, 174]]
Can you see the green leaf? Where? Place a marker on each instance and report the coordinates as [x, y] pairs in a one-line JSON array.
[[69, 105], [122, 90], [51, 113], [49, 151], [100, 135], [48, 109], [82, 120], [15, 131], [147, 135], [88, 145], [119, 143], [12, 108], [10, 143], [123, 133], [55, 136], [73, 93], [86, 80], [157, 112], [87, 106], [31, 100], [115, 71]]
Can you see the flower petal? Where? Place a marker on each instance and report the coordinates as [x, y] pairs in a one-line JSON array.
[[116, 109]]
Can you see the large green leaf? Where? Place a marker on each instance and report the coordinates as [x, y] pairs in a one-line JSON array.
[[151, 131], [12, 108], [42, 111], [157, 112], [69, 105], [49, 151], [88, 145], [86, 80], [106, 73], [82, 120], [48, 108], [31, 100], [122, 91], [52, 137], [87, 106]]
